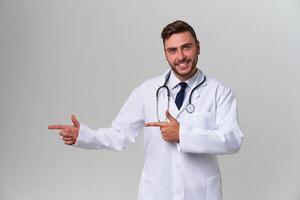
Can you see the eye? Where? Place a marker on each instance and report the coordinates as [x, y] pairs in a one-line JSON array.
[[187, 47], [171, 50]]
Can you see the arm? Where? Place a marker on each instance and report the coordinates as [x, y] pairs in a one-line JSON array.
[[123, 131], [226, 138]]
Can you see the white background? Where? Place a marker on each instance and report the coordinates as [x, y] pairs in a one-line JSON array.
[[85, 56]]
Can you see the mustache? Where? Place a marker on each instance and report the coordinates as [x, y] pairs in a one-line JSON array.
[[182, 61]]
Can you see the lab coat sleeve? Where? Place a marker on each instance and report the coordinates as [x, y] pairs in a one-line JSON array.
[[123, 131], [226, 136]]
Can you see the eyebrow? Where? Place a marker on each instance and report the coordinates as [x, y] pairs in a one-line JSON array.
[[187, 45], [182, 46]]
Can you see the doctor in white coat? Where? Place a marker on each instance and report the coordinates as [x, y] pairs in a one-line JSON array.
[[183, 134]]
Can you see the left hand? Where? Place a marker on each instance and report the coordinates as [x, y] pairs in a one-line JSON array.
[[169, 130]]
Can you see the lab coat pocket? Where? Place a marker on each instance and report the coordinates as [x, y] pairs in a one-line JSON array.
[[213, 188]]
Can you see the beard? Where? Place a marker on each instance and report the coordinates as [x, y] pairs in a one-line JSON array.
[[185, 73]]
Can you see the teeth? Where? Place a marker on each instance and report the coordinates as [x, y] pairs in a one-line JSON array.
[[182, 64]]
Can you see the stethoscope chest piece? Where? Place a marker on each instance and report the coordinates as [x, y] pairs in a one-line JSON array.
[[190, 108]]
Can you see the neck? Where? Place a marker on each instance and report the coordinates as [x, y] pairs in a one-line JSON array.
[[184, 78]]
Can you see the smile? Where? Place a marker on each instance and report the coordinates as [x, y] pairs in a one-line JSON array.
[[183, 64]]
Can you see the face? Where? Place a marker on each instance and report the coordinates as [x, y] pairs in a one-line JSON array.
[[182, 52]]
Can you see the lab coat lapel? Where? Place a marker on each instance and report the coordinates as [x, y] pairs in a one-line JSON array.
[[163, 79], [163, 98], [173, 108], [172, 105], [197, 92]]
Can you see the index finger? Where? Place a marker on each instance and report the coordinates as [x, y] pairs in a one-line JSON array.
[[155, 124], [58, 126]]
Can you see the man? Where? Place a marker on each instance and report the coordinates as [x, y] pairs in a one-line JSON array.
[[180, 153]]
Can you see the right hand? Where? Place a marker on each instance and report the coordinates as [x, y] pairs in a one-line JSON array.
[[69, 133]]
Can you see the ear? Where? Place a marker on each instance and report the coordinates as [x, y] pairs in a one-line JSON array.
[[198, 47]]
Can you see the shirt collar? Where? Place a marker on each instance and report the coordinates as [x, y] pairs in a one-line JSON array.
[[174, 81]]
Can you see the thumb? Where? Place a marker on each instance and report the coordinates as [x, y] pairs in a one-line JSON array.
[[169, 116], [75, 121]]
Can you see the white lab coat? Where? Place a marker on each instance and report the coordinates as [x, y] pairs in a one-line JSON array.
[[185, 171]]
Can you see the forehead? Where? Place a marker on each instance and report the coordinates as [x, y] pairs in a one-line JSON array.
[[179, 39]]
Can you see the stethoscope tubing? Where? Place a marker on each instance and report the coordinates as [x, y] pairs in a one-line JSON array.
[[190, 98], [189, 108]]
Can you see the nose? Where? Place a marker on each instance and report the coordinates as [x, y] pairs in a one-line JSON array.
[[181, 55]]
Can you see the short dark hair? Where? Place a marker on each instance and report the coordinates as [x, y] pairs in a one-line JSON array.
[[177, 27]]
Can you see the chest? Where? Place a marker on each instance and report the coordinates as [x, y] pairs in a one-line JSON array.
[[202, 100]]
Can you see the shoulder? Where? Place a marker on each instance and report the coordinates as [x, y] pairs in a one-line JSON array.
[[211, 81], [218, 87]]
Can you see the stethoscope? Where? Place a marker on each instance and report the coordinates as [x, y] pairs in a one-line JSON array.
[[190, 108]]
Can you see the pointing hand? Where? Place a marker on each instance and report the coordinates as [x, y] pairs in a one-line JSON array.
[[69, 133], [169, 130]]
